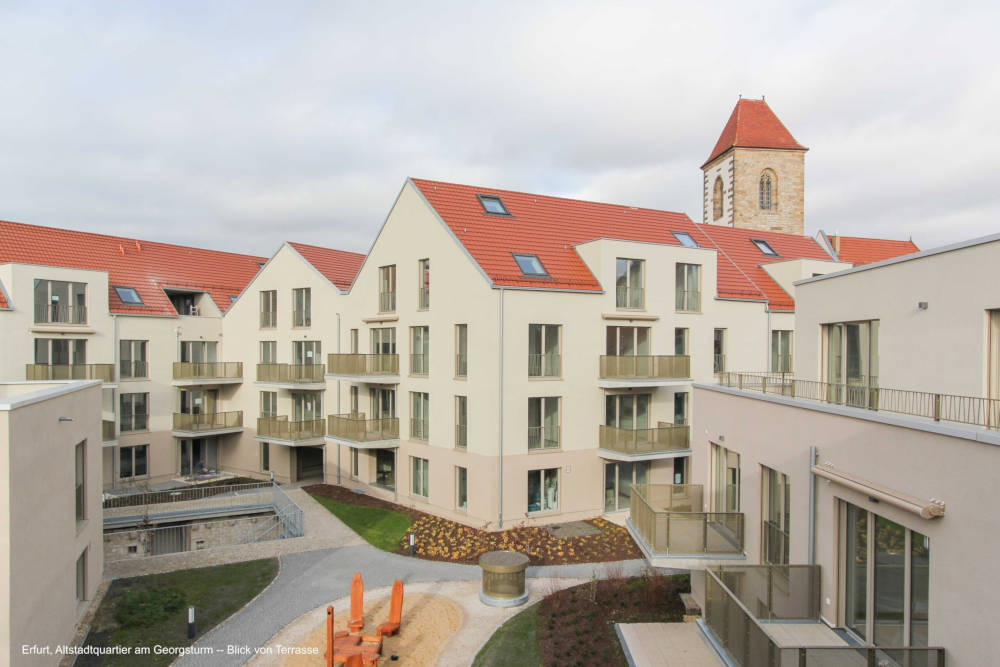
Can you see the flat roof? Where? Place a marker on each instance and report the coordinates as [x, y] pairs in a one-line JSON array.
[[21, 394]]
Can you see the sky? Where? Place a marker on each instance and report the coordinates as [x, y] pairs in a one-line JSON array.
[[238, 125]]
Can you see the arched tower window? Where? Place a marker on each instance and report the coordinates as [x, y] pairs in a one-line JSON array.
[[768, 190], [717, 199]]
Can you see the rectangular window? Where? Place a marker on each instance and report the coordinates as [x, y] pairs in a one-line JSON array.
[[199, 351], [764, 247], [134, 412], [306, 352], [420, 350], [530, 265], [993, 356], [424, 282], [461, 422], [627, 411], [268, 404], [307, 406], [618, 481], [461, 488], [81, 477], [132, 461], [129, 296], [685, 239], [719, 351], [543, 423], [384, 340], [58, 301], [265, 456], [543, 490], [680, 407], [628, 283], [268, 309], [420, 477], [268, 351], [776, 510], [850, 360], [132, 359], [383, 402], [781, 351], [354, 341], [725, 480], [81, 577], [493, 204], [688, 287], [419, 415], [355, 464], [461, 350], [302, 307], [385, 468], [627, 341], [544, 357], [680, 341], [61, 352], [199, 457], [387, 289], [355, 391]]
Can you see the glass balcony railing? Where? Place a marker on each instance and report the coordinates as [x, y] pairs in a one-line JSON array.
[[461, 365], [291, 373], [645, 367], [462, 436], [670, 520], [354, 427], [301, 318], [280, 428], [719, 363], [688, 301], [216, 370], [102, 372], [208, 421], [424, 298], [362, 364], [665, 438]]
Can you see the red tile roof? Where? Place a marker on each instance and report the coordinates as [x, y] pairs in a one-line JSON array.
[[338, 266], [743, 268], [753, 125], [145, 265], [857, 250], [3, 297]]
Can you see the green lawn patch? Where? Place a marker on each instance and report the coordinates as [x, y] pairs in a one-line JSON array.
[[382, 528], [152, 610], [515, 643]]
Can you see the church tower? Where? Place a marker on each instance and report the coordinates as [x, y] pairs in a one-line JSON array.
[[754, 178]]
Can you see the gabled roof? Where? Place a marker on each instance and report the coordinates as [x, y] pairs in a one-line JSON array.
[[753, 125], [548, 227], [147, 266], [858, 251], [742, 272], [338, 266]]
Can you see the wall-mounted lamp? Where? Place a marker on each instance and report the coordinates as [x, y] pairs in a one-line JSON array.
[[922, 305], [65, 419]]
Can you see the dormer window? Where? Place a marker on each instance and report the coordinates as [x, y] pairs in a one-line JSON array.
[[128, 295], [529, 265], [685, 239], [764, 247], [493, 204]]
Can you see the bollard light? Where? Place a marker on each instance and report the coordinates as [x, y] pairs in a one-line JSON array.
[[412, 548], [191, 622]]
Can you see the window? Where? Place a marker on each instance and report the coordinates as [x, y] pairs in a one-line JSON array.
[[688, 287], [128, 296], [199, 457], [530, 265], [268, 309], [185, 303], [132, 461], [385, 468], [58, 301], [543, 490], [302, 307], [543, 350], [268, 404], [680, 407], [767, 194], [719, 351], [268, 351], [198, 351], [627, 341], [265, 457], [81, 577], [420, 349], [680, 341], [628, 283], [387, 289], [717, 193], [81, 477], [543, 423], [424, 280], [618, 481], [629, 412], [419, 415], [493, 204], [685, 239], [993, 356], [134, 413], [461, 422], [781, 351], [725, 480], [383, 402], [461, 488], [199, 401], [420, 477], [306, 352], [776, 511], [132, 359], [307, 406], [850, 360], [679, 470], [461, 350], [384, 340], [764, 247], [60, 352], [355, 463], [354, 399], [354, 341]]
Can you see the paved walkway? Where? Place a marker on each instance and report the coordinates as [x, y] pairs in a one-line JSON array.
[[666, 645]]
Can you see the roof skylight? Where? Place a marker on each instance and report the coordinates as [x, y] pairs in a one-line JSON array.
[[529, 265], [129, 296], [493, 204], [764, 247], [685, 239]]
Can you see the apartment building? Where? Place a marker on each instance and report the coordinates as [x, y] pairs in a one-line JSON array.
[[859, 488], [51, 559]]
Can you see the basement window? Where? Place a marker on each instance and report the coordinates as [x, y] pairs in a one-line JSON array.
[[764, 247], [493, 204], [685, 239], [529, 265], [129, 296]]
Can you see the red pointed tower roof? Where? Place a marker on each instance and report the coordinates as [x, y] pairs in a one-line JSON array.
[[753, 125]]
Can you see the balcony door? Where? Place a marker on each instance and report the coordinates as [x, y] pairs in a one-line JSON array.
[[307, 406], [306, 352], [383, 402], [627, 341], [198, 351], [993, 366], [199, 456], [199, 401], [618, 480], [851, 359], [627, 411], [725, 480]]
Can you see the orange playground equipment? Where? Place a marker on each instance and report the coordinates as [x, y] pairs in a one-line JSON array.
[[351, 647]]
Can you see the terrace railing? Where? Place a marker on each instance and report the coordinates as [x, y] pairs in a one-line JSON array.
[[280, 428], [645, 367], [211, 496], [221, 370], [208, 421], [354, 427], [363, 364], [102, 372], [291, 373], [664, 515], [645, 440]]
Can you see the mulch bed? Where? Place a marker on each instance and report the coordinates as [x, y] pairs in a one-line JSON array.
[[437, 538]]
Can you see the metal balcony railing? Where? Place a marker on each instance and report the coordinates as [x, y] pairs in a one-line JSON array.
[[268, 319], [208, 421], [419, 429], [461, 365], [387, 302], [354, 427], [216, 370], [107, 430], [645, 440], [291, 373], [544, 365], [280, 428], [102, 372], [419, 364], [645, 367], [131, 423], [668, 518], [302, 317], [462, 436], [47, 313], [362, 364], [719, 363], [130, 370], [424, 298], [688, 300], [629, 297], [540, 437]]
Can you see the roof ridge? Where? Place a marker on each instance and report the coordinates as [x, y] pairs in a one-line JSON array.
[[323, 247]]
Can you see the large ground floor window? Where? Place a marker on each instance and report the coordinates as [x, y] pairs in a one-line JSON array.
[[199, 457], [385, 468], [420, 474], [543, 490], [618, 480]]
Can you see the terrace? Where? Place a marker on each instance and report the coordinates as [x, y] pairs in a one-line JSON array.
[[666, 522]]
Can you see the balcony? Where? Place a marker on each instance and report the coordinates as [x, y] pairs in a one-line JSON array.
[[207, 423], [387, 302], [283, 431], [368, 433], [785, 621], [108, 436], [219, 372], [103, 372], [370, 368], [667, 522], [540, 437], [644, 371], [864, 392], [292, 376], [60, 314], [665, 441]]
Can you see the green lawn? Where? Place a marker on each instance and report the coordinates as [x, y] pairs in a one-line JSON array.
[[515, 643], [151, 610], [382, 528]]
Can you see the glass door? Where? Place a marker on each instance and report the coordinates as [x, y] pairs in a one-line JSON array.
[[618, 480]]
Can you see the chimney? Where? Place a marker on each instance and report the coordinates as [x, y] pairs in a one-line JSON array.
[[836, 244], [138, 247], [121, 249]]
